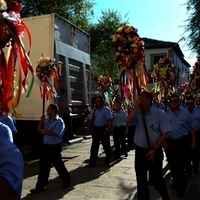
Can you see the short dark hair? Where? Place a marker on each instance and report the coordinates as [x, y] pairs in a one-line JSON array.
[[147, 94], [174, 96], [54, 107], [100, 97], [190, 98]]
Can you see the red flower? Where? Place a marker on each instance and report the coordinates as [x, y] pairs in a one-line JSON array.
[[167, 60], [14, 6]]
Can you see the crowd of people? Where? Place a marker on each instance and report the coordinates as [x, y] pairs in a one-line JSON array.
[[152, 130]]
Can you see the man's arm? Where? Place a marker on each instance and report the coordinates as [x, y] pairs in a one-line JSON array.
[[6, 190], [193, 139], [56, 131], [41, 123], [161, 141], [131, 115], [152, 153], [46, 132]]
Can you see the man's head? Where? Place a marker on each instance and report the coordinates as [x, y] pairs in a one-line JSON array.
[[147, 98], [174, 101], [118, 105], [99, 101], [190, 102], [52, 110]]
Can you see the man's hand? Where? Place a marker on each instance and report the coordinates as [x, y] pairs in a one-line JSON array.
[[43, 131], [193, 145], [42, 118], [106, 131], [151, 155], [165, 146]]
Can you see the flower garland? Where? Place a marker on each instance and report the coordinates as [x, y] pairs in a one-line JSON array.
[[46, 72], [184, 90], [12, 29], [128, 47], [195, 82], [104, 82], [164, 75], [130, 57]]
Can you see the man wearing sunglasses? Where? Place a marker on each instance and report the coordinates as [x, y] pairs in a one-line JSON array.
[[181, 139], [195, 112]]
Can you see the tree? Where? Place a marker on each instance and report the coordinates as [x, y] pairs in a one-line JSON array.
[[102, 50], [193, 26], [79, 12]]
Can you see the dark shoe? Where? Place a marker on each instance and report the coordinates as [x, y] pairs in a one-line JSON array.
[[36, 190], [117, 157], [107, 163], [181, 194], [126, 154], [195, 172], [165, 198], [150, 183], [90, 165], [173, 186], [189, 176], [65, 185]]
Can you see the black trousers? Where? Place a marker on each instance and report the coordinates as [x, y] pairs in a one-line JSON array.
[[97, 138], [142, 166], [178, 151], [119, 139], [130, 136], [196, 153], [51, 154]]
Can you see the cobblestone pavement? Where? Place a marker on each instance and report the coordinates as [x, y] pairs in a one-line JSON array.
[[116, 182]]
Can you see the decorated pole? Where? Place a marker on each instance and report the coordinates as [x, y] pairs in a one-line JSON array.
[[194, 83], [46, 72], [43, 101], [12, 49], [164, 75], [130, 58]]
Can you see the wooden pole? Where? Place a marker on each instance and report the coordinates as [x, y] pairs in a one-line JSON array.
[[143, 115], [145, 126], [43, 100]]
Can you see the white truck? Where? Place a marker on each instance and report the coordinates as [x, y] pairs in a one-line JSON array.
[[55, 37]]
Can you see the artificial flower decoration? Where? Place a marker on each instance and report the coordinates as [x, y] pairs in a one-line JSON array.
[[184, 90], [12, 29], [164, 75], [46, 71], [128, 47], [195, 82], [104, 82], [130, 58], [164, 71]]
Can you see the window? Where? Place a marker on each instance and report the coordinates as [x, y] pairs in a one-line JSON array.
[[154, 58]]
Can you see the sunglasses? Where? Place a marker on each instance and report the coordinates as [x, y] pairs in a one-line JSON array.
[[175, 101], [189, 103]]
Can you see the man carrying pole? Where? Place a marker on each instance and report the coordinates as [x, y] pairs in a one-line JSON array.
[[148, 152]]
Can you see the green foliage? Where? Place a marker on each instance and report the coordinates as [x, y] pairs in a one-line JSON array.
[[79, 12], [102, 49], [193, 26]]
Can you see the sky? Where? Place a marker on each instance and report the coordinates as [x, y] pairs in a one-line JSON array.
[[156, 19]]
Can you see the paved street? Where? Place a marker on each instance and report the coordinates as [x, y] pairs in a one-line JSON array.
[[116, 182]]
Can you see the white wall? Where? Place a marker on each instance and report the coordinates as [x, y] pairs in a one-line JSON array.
[[153, 51], [183, 75], [183, 70]]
